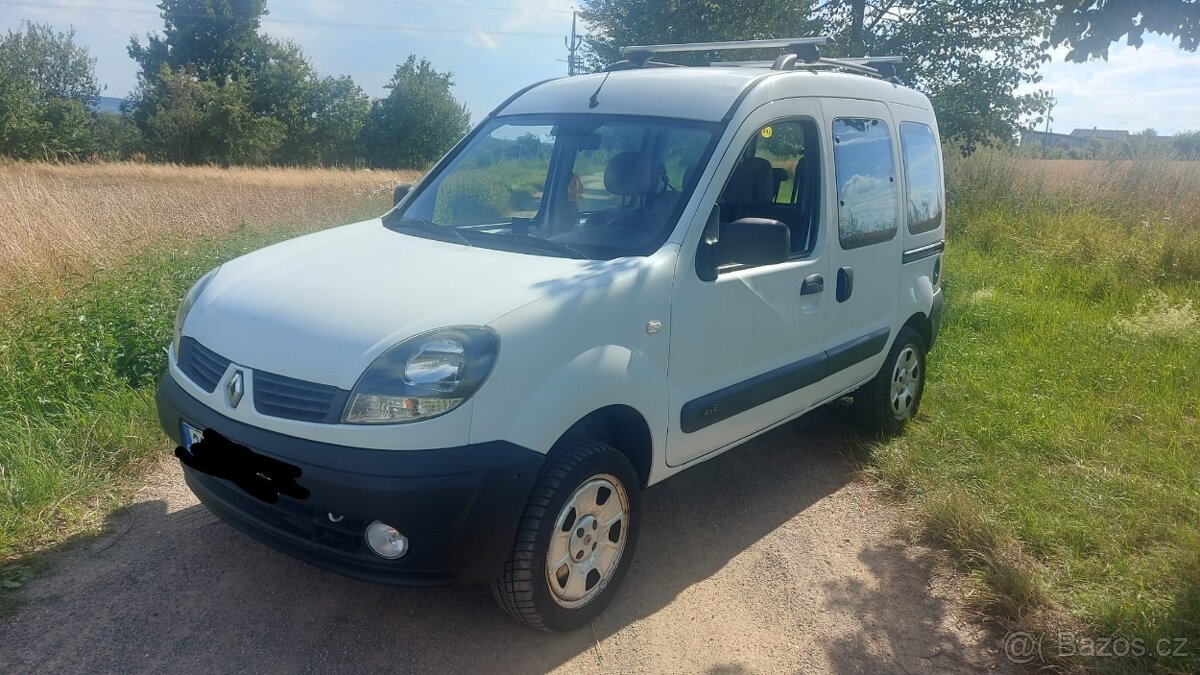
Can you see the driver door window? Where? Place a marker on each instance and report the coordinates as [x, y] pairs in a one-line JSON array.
[[779, 177]]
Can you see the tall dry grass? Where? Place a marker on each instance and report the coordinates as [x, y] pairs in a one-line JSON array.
[[63, 220], [1137, 219]]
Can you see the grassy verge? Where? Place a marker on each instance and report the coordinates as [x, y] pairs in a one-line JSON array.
[[77, 377], [1057, 450]]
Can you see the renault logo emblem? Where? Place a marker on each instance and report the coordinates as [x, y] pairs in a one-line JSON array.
[[235, 389]]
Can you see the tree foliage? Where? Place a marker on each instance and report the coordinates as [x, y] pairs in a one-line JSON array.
[[218, 39], [197, 121], [52, 62], [213, 89], [418, 120], [322, 117], [47, 84], [1089, 27], [968, 57]]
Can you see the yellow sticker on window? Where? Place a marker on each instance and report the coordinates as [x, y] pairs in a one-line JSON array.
[[766, 132]]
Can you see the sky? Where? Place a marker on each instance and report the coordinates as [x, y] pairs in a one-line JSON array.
[[495, 47]]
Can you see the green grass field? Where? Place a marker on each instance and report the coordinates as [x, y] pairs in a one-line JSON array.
[[1057, 447], [1056, 451]]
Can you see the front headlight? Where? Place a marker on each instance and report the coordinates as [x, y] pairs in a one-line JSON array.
[[186, 306], [424, 376]]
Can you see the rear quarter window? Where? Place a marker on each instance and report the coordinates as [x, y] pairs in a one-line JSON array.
[[866, 183], [923, 177]]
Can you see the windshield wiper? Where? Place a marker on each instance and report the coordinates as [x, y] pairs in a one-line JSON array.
[[436, 231], [538, 243]]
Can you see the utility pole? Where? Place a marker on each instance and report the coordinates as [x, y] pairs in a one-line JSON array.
[[573, 43]]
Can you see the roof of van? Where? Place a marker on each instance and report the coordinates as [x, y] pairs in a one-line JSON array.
[[699, 93]]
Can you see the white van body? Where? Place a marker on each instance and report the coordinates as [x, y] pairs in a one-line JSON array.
[[637, 351]]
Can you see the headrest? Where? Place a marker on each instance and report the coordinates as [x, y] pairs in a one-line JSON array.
[[752, 182], [628, 174]]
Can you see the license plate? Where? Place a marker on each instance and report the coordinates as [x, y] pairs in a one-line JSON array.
[[191, 436]]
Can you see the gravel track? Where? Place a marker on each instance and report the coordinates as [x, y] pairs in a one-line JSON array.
[[776, 557]]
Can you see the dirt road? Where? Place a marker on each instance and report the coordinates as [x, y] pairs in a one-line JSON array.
[[770, 558]]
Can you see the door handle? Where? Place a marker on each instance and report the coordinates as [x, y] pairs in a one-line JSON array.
[[845, 283], [813, 284]]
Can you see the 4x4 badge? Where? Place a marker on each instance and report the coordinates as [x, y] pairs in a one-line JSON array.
[[235, 389]]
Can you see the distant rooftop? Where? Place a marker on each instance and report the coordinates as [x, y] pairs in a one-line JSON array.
[[1101, 134]]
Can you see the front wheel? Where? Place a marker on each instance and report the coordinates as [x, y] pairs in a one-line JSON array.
[[890, 400], [575, 541]]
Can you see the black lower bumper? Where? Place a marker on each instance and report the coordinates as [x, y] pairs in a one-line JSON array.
[[459, 507]]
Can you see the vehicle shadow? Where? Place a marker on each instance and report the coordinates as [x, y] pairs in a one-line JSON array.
[[171, 588]]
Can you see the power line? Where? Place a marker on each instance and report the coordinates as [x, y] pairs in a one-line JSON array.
[[302, 22], [439, 5]]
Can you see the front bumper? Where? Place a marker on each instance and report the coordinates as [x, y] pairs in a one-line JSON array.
[[459, 507]]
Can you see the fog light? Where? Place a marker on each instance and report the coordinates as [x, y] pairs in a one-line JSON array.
[[386, 541]]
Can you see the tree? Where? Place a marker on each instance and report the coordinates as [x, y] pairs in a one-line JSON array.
[[968, 57], [418, 121], [57, 67], [1089, 27], [215, 39], [21, 130], [323, 117], [48, 85], [276, 107], [340, 111], [1187, 144], [194, 121]]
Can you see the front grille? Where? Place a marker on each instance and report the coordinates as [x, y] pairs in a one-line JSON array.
[[201, 364], [289, 398]]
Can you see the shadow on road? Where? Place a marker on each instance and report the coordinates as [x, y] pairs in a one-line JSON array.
[[182, 591]]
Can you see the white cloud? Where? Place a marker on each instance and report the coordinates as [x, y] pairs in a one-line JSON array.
[[1157, 86], [478, 38]]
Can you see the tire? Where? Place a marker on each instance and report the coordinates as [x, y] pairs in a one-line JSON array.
[[576, 482], [891, 399]]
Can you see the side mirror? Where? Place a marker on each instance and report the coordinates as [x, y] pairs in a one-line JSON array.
[[400, 193], [754, 241]]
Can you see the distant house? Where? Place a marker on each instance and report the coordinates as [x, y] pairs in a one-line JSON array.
[[1102, 135], [1050, 140], [1079, 138]]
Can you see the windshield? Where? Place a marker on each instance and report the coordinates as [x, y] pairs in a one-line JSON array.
[[583, 186]]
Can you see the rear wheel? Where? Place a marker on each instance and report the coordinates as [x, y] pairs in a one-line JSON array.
[[891, 399], [575, 541]]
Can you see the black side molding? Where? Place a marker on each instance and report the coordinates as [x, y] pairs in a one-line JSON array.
[[742, 396], [915, 254]]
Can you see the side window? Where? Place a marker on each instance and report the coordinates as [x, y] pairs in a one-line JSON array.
[[866, 185], [779, 177], [923, 177]]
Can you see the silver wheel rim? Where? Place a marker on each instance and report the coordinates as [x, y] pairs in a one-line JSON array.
[[906, 383], [587, 541]]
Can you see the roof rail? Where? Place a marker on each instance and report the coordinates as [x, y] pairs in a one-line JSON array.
[[798, 53], [808, 49], [781, 43]]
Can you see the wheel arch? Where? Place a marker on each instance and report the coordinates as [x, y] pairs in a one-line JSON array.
[[921, 323], [618, 425]]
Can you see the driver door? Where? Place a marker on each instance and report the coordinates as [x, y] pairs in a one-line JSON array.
[[747, 349]]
